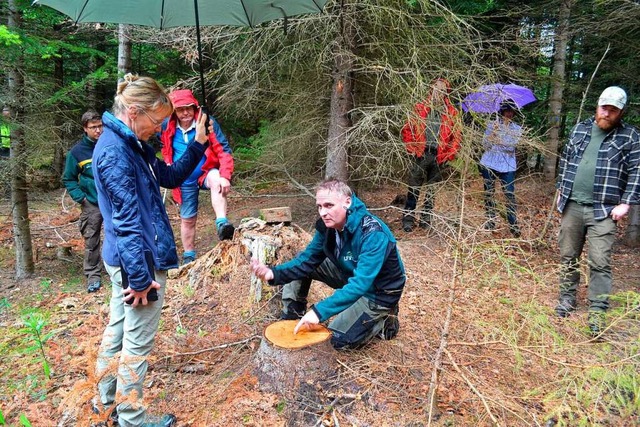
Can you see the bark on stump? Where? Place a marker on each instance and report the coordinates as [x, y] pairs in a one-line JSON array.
[[286, 362]]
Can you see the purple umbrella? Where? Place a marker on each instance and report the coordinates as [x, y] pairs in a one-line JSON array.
[[488, 98]]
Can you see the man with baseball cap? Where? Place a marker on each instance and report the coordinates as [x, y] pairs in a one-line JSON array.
[[212, 173], [599, 178]]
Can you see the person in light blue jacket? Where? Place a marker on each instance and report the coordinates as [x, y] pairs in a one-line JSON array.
[[499, 162]]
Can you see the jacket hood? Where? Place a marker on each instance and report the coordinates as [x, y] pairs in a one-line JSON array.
[[183, 98], [355, 213]]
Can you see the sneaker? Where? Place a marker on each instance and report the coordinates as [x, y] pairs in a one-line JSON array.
[[565, 307], [167, 420], [113, 417], [597, 323], [188, 259], [93, 287], [225, 231]]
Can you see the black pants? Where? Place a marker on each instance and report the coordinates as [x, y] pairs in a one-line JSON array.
[[424, 170]]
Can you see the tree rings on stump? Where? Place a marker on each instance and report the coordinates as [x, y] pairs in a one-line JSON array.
[[285, 362], [281, 335]]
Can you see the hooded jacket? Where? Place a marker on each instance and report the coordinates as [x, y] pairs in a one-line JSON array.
[[128, 177], [217, 156], [369, 259], [78, 173], [413, 132]]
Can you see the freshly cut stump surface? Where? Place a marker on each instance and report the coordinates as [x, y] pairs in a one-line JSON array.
[[281, 334], [286, 362]]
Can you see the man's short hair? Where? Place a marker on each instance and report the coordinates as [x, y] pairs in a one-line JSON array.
[[90, 116], [335, 185]]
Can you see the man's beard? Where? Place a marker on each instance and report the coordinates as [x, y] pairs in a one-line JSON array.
[[606, 124]]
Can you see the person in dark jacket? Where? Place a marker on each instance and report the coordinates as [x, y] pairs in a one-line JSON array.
[[353, 252], [598, 180], [78, 179], [213, 173], [139, 245]]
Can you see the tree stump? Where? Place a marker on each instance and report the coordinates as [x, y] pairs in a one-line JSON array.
[[285, 362], [264, 248], [64, 251]]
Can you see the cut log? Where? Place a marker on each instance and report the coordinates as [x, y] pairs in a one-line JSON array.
[[276, 215], [285, 362], [264, 248]]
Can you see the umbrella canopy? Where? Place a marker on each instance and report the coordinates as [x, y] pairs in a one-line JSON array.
[[183, 13], [487, 99]]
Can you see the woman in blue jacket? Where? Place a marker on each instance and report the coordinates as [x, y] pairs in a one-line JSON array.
[[139, 246]]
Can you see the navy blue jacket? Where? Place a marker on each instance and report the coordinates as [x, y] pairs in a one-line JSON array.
[[128, 177], [369, 259]]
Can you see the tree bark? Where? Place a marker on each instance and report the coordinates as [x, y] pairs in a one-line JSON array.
[[558, 78], [59, 148], [632, 235], [124, 50], [19, 197], [337, 163]]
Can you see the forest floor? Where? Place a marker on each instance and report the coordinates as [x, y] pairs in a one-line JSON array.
[[476, 319]]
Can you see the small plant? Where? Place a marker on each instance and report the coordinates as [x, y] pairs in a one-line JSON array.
[[280, 406], [35, 325], [24, 421], [181, 331], [188, 291], [45, 285], [2, 421], [4, 304]]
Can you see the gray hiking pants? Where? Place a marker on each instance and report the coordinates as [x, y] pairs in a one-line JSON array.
[[90, 224]]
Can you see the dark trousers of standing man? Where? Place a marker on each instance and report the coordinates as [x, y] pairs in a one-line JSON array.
[[424, 170], [90, 227]]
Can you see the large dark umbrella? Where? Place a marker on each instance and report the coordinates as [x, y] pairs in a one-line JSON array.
[[182, 13]]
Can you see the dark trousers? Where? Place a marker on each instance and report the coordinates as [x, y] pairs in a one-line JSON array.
[[508, 187], [354, 326], [424, 170], [90, 227]]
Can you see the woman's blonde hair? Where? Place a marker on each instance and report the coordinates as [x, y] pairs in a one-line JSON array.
[[142, 92]]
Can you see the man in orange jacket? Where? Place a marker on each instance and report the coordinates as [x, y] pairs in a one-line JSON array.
[[432, 137], [213, 173]]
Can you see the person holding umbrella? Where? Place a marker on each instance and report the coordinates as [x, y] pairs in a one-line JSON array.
[[499, 162], [139, 246], [431, 138]]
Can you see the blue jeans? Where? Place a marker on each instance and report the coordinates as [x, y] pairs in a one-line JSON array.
[[508, 187]]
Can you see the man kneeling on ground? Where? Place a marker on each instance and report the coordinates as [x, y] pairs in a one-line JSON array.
[[355, 253]]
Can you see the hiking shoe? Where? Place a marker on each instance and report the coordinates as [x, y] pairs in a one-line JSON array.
[[113, 417], [408, 228], [93, 287], [294, 311], [391, 325], [597, 323], [225, 231], [188, 259], [167, 420], [565, 307]]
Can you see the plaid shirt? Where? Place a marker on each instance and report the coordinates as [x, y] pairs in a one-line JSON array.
[[617, 177]]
